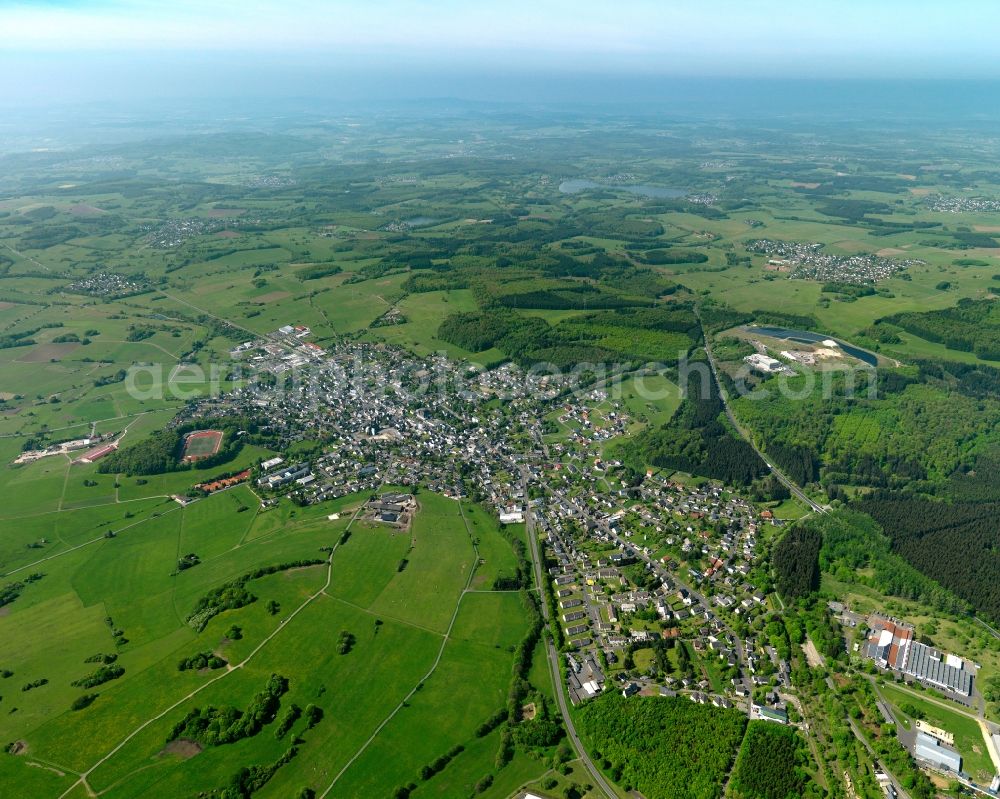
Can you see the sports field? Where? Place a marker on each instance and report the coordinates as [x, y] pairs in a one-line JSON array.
[[202, 444], [968, 737]]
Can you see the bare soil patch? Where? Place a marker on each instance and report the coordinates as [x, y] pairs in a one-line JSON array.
[[986, 228], [41, 353], [529, 711], [184, 748], [797, 185], [83, 209], [273, 296], [813, 657], [890, 251], [4, 305], [47, 768], [289, 573], [920, 192], [221, 213]]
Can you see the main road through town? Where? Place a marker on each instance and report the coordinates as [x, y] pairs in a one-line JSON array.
[[550, 649]]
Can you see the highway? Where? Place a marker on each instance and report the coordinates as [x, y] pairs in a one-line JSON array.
[[782, 477], [553, 655]]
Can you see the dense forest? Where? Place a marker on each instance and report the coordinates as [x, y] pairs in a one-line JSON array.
[[795, 560], [971, 326], [798, 461], [212, 726], [907, 429], [769, 764], [163, 450], [158, 453], [717, 316], [696, 441], [665, 748], [957, 544], [856, 550], [632, 335]]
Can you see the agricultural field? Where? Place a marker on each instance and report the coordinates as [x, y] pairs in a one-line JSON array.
[[427, 658]]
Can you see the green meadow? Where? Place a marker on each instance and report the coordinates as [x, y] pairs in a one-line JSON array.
[[428, 656]]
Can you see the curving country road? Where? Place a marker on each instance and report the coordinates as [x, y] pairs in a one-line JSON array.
[[553, 655]]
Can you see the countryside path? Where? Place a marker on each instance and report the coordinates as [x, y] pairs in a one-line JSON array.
[[430, 672], [284, 622]]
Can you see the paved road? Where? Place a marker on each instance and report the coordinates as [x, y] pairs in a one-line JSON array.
[[782, 477], [900, 793], [554, 665], [659, 571]]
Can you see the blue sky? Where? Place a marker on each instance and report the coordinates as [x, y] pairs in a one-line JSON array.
[[754, 37], [105, 40]]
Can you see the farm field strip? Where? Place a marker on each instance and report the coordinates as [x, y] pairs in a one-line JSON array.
[[229, 670], [92, 540], [427, 676]]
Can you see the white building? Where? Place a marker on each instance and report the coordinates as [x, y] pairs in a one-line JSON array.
[[764, 363]]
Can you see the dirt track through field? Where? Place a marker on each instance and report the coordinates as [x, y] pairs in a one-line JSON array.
[[284, 623]]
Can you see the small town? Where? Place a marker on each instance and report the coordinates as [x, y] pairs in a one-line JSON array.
[[655, 585], [806, 261]]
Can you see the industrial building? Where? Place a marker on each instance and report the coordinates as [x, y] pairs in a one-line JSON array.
[[892, 646], [932, 751], [765, 363]]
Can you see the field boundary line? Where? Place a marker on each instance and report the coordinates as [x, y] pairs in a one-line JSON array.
[[281, 626], [429, 674], [368, 611], [59, 554]]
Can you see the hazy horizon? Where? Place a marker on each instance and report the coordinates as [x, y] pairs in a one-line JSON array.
[[69, 51]]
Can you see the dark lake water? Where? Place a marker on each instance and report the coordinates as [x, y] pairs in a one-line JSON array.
[[807, 337], [575, 185]]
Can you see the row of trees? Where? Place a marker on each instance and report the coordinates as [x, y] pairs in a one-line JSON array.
[[102, 675], [202, 660], [11, 591]]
